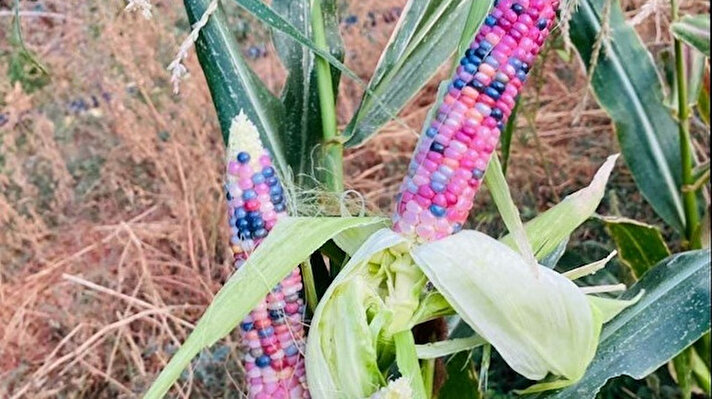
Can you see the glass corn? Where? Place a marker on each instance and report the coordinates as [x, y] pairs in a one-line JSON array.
[[452, 155], [273, 333]]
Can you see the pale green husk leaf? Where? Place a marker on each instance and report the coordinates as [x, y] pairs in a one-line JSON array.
[[278, 254], [540, 323]]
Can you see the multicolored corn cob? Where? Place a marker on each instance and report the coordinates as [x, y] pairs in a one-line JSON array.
[[273, 333], [452, 155]]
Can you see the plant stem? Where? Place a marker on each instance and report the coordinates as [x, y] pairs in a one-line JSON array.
[[692, 217], [333, 147]]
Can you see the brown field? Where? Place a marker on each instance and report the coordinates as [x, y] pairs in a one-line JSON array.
[[112, 237]]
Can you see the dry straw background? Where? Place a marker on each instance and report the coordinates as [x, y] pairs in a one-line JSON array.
[[112, 222]]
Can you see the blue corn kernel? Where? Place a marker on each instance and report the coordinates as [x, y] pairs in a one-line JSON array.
[[492, 92], [458, 84], [499, 86], [266, 332], [496, 113], [437, 187], [477, 173], [274, 190], [268, 171], [260, 233], [431, 132], [437, 147], [247, 326], [262, 361], [490, 20], [477, 85], [243, 157], [437, 210], [249, 194], [518, 8], [542, 23]]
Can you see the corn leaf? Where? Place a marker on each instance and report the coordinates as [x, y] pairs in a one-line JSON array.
[[266, 14], [673, 314], [539, 323], [302, 123], [639, 245], [695, 31], [408, 364], [497, 185], [348, 372], [424, 38], [626, 84], [546, 231], [451, 346], [233, 85], [461, 380], [278, 254], [351, 240]]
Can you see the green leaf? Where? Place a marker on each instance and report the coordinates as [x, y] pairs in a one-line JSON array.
[[276, 256], [695, 31], [497, 185], [461, 380], [639, 245], [673, 314], [352, 239], [302, 123], [626, 84], [444, 348], [425, 37], [507, 134], [540, 323], [23, 66], [546, 231], [408, 364], [266, 14], [233, 85], [349, 371]]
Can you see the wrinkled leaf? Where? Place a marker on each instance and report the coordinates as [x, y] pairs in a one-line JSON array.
[[276, 256], [546, 231], [326, 369], [639, 245], [695, 31], [627, 86], [673, 314]]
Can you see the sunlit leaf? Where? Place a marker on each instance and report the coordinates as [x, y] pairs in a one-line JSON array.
[[546, 231], [276, 256]]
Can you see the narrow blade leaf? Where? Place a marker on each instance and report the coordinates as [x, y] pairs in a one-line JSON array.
[[278, 254], [673, 314], [233, 85], [302, 122], [546, 231], [404, 69], [627, 86], [640, 245], [695, 31]]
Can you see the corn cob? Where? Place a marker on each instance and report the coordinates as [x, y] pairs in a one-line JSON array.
[[273, 333], [452, 154]]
